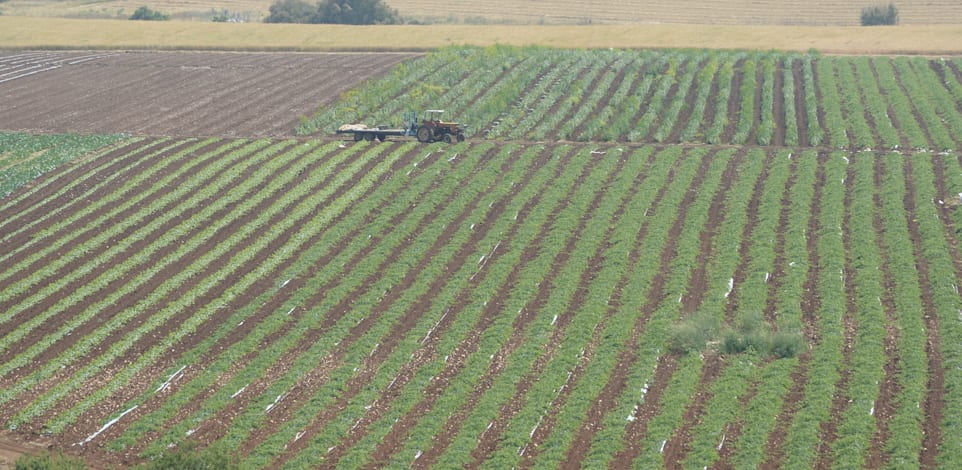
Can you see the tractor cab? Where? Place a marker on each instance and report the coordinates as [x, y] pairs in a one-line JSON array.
[[432, 128]]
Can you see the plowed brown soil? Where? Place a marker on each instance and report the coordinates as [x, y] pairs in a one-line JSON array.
[[177, 93]]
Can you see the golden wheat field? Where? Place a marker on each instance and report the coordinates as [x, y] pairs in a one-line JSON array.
[[62, 33]]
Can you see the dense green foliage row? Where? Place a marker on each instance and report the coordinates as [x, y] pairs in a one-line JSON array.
[[304, 303], [715, 97]]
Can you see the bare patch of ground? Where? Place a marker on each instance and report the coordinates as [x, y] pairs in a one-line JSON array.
[[176, 93]]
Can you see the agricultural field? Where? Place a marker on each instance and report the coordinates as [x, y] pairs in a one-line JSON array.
[[713, 97], [176, 93], [742, 12], [638, 259]]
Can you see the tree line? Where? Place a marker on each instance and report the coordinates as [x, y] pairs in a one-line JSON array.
[[333, 12]]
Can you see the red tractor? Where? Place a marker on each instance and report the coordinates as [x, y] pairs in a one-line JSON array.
[[432, 128]]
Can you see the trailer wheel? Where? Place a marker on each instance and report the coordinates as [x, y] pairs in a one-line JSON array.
[[369, 137], [358, 137], [381, 137], [424, 135]]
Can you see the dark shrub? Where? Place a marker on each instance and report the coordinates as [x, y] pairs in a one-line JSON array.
[[146, 14], [880, 15]]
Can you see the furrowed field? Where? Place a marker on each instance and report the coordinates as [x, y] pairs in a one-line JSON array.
[[638, 259]]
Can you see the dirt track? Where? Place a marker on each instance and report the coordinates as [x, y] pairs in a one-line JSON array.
[[175, 93]]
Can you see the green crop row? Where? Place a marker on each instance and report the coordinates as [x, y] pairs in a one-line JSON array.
[[537, 306], [25, 157], [156, 319], [344, 304], [329, 235], [539, 93], [866, 359], [938, 252], [434, 339], [71, 186], [682, 168], [312, 221], [905, 427], [723, 295], [68, 229], [116, 250], [373, 377]]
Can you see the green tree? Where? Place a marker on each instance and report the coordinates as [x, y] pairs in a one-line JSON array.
[[880, 15], [356, 12], [333, 12], [291, 11]]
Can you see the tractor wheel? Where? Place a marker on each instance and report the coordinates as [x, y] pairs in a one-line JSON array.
[[358, 136], [447, 138], [424, 135], [460, 136]]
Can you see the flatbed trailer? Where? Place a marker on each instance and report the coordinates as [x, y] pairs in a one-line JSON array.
[[362, 132]]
